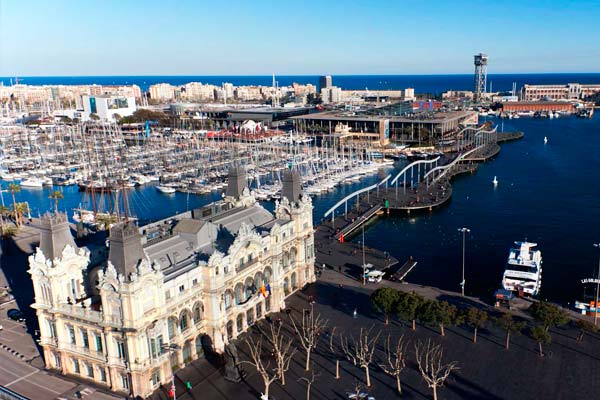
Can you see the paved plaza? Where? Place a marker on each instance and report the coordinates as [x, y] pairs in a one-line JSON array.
[[487, 371]]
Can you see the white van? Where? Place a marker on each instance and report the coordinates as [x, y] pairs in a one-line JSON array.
[[375, 276]]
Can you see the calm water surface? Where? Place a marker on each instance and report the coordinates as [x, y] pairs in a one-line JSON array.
[[547, 193]]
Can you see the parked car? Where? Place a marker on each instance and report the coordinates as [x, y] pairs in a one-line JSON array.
[[15, 315]]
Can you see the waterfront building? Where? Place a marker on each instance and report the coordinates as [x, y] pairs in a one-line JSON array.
[[325, 82], [570, 91], [27, 94], [332, 94], [162, 92], [391, 122], [168, 292], [458, 95], [538, 106], [198, 91], [248, 93], [109, 108], [302, 90], [228, 90]]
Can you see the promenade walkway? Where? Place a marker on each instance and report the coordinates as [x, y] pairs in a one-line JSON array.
[[432, 187]]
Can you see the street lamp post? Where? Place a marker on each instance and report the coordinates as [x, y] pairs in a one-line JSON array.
[[363, 252], [597, 245], [462, 283], [171, 348]]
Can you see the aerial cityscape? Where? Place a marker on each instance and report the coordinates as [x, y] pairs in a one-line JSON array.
[[317, 200]]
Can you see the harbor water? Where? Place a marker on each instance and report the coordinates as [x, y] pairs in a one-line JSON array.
[[421, 83], [547, 193]]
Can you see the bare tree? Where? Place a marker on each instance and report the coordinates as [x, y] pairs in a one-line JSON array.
[[361, 352], [282, 350], [309, 382], [334, 353], [268, 374], [331, 336], [433, 370], [395, 360], [308, 331]]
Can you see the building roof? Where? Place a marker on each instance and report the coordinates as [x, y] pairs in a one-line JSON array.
[[189, 226], [435, 117], [231, 220], [55, 235], [170, 252]]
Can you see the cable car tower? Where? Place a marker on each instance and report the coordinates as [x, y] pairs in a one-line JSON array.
[[481, 61]]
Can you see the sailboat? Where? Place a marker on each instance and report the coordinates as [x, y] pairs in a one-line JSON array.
[[545, 140], [495, 181]]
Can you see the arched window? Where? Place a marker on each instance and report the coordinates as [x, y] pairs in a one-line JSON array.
[[172, 325], [285, 260], [286, 286], [259, 280], [293, 281], [227, 298], [293, 255], [240, 323], [268, 274], [250, 317], [230, 330], [249, 288], [184, 320], [239, 294], [199, 347], [198, 312]]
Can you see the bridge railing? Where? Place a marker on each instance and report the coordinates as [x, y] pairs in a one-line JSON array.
[[412, 165], [352, 195]]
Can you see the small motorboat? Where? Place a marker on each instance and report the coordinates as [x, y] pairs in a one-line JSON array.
[[165, 189], [495, 181]]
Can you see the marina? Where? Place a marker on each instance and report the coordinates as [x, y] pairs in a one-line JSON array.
[[421, 232], [185, 214]]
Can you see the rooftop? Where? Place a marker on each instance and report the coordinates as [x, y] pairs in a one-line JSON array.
[[433, 117]]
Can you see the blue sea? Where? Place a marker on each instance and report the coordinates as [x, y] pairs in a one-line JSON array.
[[421, 83], [547, 193]]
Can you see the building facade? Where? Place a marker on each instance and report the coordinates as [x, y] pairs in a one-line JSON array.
[[162, 92], [109, 108], [537, 106], [325, 82], [569, 91], [169, 291]]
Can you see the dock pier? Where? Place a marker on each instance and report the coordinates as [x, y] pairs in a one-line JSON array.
[[421, 186]]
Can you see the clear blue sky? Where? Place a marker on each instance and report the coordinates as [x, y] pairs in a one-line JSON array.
[[256, 37]]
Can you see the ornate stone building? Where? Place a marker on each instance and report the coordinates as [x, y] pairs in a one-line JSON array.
[[170, 290]]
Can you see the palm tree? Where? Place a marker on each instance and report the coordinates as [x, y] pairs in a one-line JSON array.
[[20, 209], [56, 195], [14, 188], [3, 212], [106, 220]]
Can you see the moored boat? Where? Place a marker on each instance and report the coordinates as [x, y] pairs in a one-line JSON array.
[[523, 271], [165, 189]]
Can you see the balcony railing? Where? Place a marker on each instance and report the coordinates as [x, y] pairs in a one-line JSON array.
[[246, 265], [83, 350]]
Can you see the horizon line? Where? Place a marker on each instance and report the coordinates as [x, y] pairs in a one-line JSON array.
[[292, 75]]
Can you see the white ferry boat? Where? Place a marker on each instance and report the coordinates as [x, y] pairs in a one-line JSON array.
[[523, 269]]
